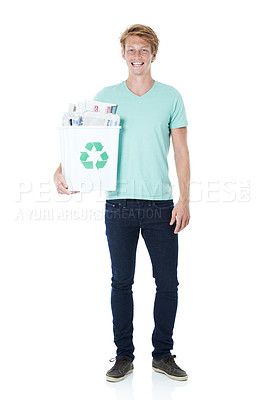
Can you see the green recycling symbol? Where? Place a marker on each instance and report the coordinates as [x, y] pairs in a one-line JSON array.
[[100, 163]]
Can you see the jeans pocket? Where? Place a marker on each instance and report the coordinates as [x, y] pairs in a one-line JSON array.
[[111, 205], [163, 204]]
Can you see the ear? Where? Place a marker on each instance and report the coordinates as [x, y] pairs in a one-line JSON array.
[[153, 57], [123, 55]]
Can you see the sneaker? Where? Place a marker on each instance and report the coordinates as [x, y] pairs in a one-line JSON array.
[[123, 366], [168, 367]]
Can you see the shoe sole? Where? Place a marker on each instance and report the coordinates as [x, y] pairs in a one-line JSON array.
[[177, 378], [110, 379]]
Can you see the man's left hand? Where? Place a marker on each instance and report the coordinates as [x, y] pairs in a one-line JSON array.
[[181, 214]]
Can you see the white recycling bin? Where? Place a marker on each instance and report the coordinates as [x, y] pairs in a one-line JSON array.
[[89, 157]]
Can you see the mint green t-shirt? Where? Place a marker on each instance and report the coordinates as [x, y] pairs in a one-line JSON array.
[[142, 169]]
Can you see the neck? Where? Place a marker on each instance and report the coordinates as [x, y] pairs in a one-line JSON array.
[[139, 84]]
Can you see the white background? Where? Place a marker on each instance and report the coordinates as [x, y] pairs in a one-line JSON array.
[[56, 326]]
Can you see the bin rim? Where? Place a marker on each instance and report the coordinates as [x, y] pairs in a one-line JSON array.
[[88, 126]]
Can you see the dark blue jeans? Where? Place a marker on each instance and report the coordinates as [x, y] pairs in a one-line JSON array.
[[124, 219]]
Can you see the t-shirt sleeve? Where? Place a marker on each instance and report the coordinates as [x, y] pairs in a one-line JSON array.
[[178, 118]]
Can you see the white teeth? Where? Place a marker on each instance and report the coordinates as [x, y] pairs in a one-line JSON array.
[[137, 63]]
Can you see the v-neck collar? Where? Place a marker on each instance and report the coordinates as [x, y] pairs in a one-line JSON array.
[[137, 96]]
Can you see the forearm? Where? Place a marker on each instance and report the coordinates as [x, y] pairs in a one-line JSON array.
[[183, 172], [58, 170]]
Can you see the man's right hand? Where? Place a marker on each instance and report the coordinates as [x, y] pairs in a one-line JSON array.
[[60, 182]]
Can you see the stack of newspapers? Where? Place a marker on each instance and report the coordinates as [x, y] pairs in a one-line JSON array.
[[91, 113]]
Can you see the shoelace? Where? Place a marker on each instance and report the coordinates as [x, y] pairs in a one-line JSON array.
[[171, 361], [118, 360]]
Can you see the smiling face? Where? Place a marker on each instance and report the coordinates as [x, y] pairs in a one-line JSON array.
[[138, 55]]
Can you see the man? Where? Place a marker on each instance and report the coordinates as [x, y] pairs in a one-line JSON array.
[[150, 113]]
